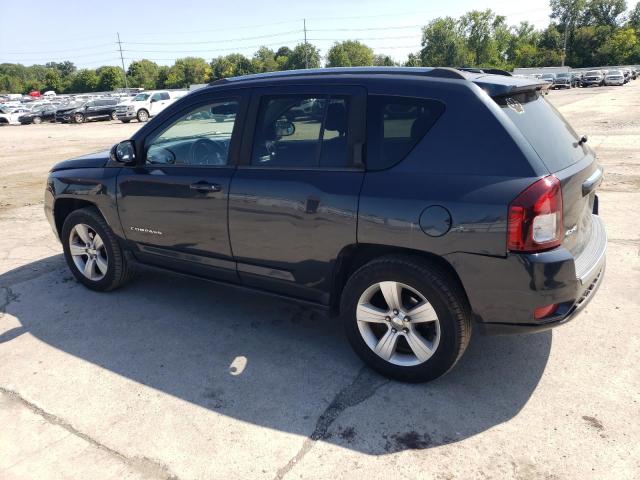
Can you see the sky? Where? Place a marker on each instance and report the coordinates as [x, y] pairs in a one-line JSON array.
[[85, 32]]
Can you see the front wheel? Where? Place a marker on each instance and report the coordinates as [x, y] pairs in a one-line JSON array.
[[114, 116], [92, 251], [37, 120], [143, 116], [78, 118], [406, 318]]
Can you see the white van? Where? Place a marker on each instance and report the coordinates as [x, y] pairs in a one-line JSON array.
[[147, 104]]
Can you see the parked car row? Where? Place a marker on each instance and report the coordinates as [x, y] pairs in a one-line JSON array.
[[84, 108], [597, 77]]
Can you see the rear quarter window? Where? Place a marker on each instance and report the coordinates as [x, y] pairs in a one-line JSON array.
[[395, 125], [550, 135]]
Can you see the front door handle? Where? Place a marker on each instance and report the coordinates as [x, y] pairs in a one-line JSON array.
[[205, 187]]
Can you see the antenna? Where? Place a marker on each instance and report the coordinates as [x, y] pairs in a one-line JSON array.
[[126, 84]]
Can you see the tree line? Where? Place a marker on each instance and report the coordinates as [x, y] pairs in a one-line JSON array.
[[582, 33]]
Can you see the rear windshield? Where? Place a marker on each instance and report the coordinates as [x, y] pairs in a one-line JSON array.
[[553, 139]]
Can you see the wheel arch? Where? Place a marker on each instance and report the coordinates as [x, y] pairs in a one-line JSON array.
[[354, 256], [63, 207]]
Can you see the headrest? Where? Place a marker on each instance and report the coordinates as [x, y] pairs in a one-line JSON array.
[[336, 118]]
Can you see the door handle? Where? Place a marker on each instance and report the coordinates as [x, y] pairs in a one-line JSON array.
[[205, 187]]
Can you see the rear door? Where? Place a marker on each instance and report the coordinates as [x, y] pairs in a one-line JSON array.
[[294, 198], [566, 156], [173, 203], [159, 101]]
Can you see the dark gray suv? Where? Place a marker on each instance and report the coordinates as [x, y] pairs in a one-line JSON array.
[[415, 203]]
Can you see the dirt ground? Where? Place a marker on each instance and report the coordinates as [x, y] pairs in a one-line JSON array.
[[179, 379]]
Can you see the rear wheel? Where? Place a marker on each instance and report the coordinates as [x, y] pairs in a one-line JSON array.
[[78, 118], [92, 251], [114, 115], [143, 115], [407, 319]]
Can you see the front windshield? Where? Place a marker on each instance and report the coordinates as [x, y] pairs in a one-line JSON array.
[[141, 97], [593, 72], [615, 72], [563, 75], [547, 75]]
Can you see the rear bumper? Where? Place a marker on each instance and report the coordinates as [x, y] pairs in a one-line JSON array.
[[504, 292]]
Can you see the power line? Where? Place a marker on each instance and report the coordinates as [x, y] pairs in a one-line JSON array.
[[27, 52], [226, 40]]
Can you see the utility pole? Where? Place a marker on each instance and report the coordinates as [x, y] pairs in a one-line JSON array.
[[126, 84], [306, 49], [566, 35]]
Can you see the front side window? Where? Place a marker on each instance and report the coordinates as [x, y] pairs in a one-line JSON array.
[[395, 125], [301, 132], [200, 137]]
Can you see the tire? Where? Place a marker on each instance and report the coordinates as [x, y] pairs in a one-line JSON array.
[[37, 120], [142, 115], [117, 271], [78, 118], [125, 121], [422, 284], [114, 116]]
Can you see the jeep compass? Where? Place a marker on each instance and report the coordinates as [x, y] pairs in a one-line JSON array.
[[415, 203]]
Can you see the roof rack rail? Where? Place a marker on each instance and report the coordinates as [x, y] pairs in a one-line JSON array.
[[492, 71], [436, 72]]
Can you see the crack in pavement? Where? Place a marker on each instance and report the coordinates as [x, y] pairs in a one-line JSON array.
[[363, 387], [147, 466]]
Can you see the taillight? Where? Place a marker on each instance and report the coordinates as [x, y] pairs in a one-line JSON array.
[[535, 217]]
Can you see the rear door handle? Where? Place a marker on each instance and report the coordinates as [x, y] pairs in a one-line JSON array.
[[592, 182], [205, 187]]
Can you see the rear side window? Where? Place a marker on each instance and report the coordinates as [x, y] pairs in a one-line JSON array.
[[296, 131], [395, 125], [164, 96], [553, 139]]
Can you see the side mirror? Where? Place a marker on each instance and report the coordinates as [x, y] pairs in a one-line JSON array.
[[285, 128], [124, 152]]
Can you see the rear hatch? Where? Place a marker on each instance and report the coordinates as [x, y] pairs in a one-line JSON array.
[[566, 156]]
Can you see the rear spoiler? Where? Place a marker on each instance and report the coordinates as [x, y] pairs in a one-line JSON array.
[[500, 86]]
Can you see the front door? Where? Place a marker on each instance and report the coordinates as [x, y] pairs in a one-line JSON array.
[[294, 198], [173, 204]]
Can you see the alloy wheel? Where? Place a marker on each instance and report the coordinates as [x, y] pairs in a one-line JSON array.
[[88, 252], [398, 323]]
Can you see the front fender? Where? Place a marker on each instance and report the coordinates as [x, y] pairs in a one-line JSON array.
[[80, 187]]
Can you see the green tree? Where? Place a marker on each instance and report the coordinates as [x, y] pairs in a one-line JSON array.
[[303, 55], [634, 18], [413, 60], [143, 73], [84, 81], [282, 57], [233, 65], [163, 75], [443, 44], [619, 48], [53, 81], [383, 61], [110, 78], [11, 84], [65, 68], [188, 71], [350, 53], [264, 60], [604, 12], [479, 28]]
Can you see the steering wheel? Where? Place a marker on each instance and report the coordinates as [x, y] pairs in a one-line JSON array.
[[206, 152]]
